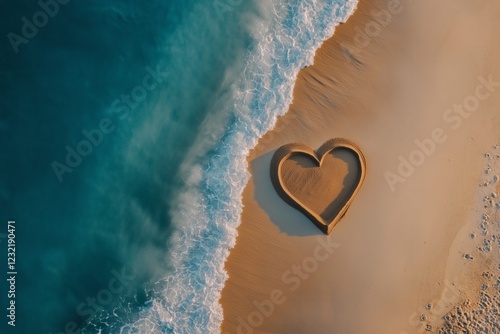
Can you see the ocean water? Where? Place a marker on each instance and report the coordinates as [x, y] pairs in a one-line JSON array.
[[124, 127]]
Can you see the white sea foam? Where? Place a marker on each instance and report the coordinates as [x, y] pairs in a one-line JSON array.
[[207, 211]]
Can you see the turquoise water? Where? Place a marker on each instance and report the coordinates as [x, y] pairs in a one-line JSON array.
[[124, 130]]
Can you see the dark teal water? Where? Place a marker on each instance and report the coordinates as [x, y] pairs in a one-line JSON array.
[[111, 211], [161, 101]]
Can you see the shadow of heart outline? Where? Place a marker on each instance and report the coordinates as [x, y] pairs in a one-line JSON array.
[[287, 151]]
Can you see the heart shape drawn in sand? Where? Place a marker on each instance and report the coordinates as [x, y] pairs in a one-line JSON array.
[[321, 184]]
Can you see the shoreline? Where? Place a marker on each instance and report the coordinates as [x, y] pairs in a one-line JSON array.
[[383, 95]]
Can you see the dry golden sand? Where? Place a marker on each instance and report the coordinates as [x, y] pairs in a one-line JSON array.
[[398, 95]]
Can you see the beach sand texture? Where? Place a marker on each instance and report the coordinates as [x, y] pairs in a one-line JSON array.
[[416, 84], [321, 184]]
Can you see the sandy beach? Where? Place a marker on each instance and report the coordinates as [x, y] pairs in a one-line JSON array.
[[416, 85]]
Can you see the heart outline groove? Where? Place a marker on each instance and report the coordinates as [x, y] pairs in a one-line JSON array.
[[287, 151]]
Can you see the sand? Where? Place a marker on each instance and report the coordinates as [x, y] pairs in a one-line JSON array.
[[420, 97], [321, 184]]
